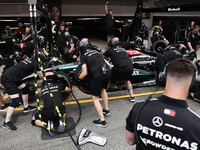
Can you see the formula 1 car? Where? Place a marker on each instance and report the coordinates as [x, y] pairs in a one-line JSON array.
[[144, 73]]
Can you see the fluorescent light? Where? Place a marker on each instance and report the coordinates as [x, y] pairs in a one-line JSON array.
[[88, 18], [7, 20]]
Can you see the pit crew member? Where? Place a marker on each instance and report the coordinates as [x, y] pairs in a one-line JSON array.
[[12, 81], [48, 113], [167, 122], [122, 64], [72, 54], [94, 65], [193, 39]]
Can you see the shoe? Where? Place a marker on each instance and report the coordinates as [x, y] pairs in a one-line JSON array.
[[9, 126], [50, 125], [100, 123], [106, 112], [61, 127], [30, 108], [6, 105], [132, 99], [100, 98]]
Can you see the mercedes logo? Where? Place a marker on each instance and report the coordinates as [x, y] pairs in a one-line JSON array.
[[157, 121]]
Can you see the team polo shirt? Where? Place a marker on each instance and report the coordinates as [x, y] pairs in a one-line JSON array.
[[166, 123], [60, 38], [94, 61], [110, 20], [142, 29], [188, 28], [119, 56], [21, 70], [56, 90], [193, 39]]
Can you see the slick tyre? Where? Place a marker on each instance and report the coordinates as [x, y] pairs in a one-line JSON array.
[[64, 79], [159, 46], [55, 62], [85, 84]]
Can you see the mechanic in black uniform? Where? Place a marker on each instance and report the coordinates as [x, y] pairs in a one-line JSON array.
[[49, 114], [130, 45], [72, 54], [156, 36], [143, 31], [110, 22], [8, 63], [94, 65], [12, 81], [189, 28], [167, 57], [42, 44], [193, 39], [167, 122], [158, 27], [28, 41], [125, 29], [123, 66], [60, 36]]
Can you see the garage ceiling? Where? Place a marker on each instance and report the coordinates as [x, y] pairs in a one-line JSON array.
[[75, 8]]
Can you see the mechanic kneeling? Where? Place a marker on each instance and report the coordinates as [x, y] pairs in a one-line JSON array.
[[94, 65], [168, 122], [12, 81], [48, 113], [122, 64]]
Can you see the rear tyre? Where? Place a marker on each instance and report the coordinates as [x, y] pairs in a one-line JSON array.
[[85, 84], [55, 62], [64, 79], [159, 46]]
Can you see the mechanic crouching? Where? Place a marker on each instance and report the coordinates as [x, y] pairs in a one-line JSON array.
[[94, 65], [122, 64], [48, 113], [12, 81]]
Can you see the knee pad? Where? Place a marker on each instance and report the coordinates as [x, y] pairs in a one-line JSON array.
[[33, 122], [16, 102], [27, 89]]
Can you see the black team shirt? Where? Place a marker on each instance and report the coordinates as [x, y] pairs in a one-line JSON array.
[[56, 90], [165, 123], [193, 39], [119, 56], [60, 38], [110, 20], [94, 61], [21, 70]]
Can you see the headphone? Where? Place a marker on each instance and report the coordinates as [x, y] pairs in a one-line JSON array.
[[194, 86]]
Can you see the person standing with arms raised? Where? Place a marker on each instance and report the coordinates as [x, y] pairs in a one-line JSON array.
[[110, 22]]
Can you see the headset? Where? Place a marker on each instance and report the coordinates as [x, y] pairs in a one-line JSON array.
[[194, 86]]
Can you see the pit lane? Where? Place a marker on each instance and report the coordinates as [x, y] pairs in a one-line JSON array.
[[29, 137]]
